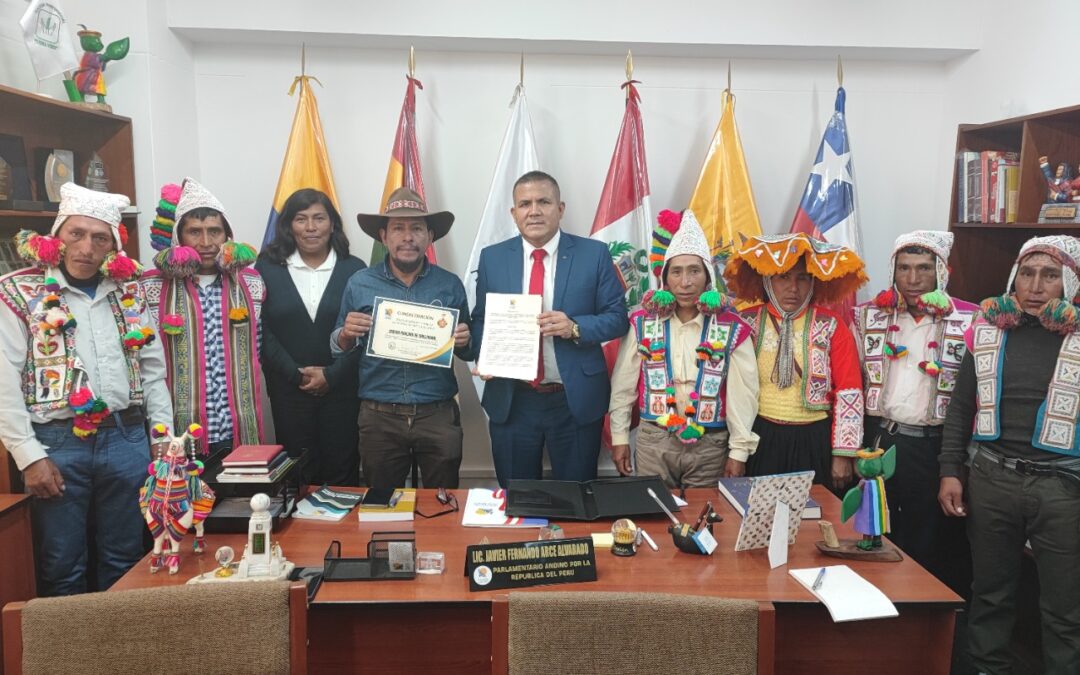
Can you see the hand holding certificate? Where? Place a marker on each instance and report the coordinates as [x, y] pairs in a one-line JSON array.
[[511, 346], [408, 331]]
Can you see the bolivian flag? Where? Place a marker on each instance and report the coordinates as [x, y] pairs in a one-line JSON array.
[[306, 163], [723, 200], [404, 169]]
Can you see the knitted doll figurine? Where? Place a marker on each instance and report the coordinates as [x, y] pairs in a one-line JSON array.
[[866, 501], [174, 497]]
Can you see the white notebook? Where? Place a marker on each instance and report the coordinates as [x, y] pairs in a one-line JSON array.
[[847, 595]]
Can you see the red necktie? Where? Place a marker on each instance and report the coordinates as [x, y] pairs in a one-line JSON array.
[[536, 287]]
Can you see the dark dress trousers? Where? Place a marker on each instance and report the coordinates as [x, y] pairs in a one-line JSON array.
[[325, 426]]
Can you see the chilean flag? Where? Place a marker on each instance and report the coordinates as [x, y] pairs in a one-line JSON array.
[[828, 209]]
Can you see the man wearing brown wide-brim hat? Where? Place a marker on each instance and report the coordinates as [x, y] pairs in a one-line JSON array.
[[407, 410]]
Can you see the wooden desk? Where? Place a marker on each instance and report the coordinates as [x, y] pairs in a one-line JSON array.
[[16, 552], [434, 623]]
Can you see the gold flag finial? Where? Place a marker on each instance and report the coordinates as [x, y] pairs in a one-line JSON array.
[[629, 65], [839, 71], [728, 77], [521, 75], [412, 61]]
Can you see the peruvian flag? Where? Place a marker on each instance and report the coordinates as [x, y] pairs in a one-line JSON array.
[[623, 219]]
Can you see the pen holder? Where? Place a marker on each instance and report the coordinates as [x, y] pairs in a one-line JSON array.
[[682, 536]]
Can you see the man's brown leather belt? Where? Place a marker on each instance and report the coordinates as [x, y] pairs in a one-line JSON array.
[[132, 416], [405, 409]]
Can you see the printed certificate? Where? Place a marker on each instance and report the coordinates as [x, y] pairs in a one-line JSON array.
[[409, 331], [511, 346]]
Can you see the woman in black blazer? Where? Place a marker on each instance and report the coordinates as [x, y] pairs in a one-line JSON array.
[[312, 395]]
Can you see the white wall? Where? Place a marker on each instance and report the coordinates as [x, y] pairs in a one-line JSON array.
[[244, 116]]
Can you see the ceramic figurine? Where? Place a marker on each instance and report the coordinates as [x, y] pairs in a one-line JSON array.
[[866, 501], [90, 77]]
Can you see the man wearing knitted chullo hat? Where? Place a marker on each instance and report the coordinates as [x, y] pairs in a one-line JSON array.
[[911, 342], [1013, 422], [80, 372], [207, 301], [688, 363]]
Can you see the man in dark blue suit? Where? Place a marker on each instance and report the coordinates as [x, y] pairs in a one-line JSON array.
[[564, 407]]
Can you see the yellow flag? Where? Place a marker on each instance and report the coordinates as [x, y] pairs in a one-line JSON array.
[[723, 200]]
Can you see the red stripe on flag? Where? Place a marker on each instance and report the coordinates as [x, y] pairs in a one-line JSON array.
[[804, 224], [627, 180]]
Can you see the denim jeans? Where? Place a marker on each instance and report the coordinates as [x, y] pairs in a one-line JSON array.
[[102, 476]]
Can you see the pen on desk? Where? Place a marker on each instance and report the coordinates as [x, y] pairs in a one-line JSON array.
[[819, 580], [663, 506], [649, 541]]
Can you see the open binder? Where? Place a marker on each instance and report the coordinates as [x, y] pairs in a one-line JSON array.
[[601, 498]]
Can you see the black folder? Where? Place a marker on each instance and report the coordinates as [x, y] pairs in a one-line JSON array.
[[601, 498]]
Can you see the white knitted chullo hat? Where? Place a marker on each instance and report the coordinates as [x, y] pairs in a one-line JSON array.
[[105, 206]]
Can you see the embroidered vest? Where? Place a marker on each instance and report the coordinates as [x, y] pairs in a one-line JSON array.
[[871, 326], [1056, 422], [185, 352], [727, 330], [817, 376], [52, 367]]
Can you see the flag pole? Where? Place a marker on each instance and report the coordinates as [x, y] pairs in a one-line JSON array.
[[629, 70], [839, 72], [412, 62], [521, 75]]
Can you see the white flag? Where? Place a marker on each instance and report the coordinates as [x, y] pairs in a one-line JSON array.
[[47, 39], [517, 157]]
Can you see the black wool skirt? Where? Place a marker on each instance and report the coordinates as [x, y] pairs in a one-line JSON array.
[[786, 448]]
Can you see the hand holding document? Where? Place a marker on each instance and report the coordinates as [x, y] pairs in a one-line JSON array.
[[511, 346]]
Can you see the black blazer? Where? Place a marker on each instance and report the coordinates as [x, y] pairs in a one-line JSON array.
[[291, 340]]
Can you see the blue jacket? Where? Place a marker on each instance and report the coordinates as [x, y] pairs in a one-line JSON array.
[[595, 303]]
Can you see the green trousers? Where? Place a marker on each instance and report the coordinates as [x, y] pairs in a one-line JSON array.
[[1007, 509]]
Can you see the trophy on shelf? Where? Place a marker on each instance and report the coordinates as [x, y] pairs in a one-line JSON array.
[[90, 77], [59, 169], [96, 179], [5, 180], [1062, 194]]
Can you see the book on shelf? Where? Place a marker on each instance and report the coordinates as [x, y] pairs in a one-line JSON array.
[[737, 492], [327, 504], [252, 455], [983, 181], [281, 470], [399, 512]]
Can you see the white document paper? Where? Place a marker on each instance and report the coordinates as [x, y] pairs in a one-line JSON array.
[[778, 546], [511, 346], [847, 595]]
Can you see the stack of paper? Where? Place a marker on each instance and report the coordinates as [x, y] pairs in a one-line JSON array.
[[327, 504], [847, 595]]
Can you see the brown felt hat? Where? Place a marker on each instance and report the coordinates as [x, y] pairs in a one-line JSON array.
[[404, 203]]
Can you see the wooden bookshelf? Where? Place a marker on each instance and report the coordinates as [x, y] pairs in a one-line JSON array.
[[48, 123], [984, 252]]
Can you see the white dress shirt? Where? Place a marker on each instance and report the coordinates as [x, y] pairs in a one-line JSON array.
[[98, 344], [908, 391], [311, 282], [551, 368]]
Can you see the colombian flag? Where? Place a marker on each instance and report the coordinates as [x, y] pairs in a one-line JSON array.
[[404, 169], [723, 200], [306, 163]]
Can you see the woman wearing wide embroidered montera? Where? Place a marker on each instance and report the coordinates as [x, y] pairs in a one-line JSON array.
[[810, 410], [688, 363], [80, 371], [207, 304]]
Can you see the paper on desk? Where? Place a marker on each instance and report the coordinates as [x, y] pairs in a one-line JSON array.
[[847, 595]]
